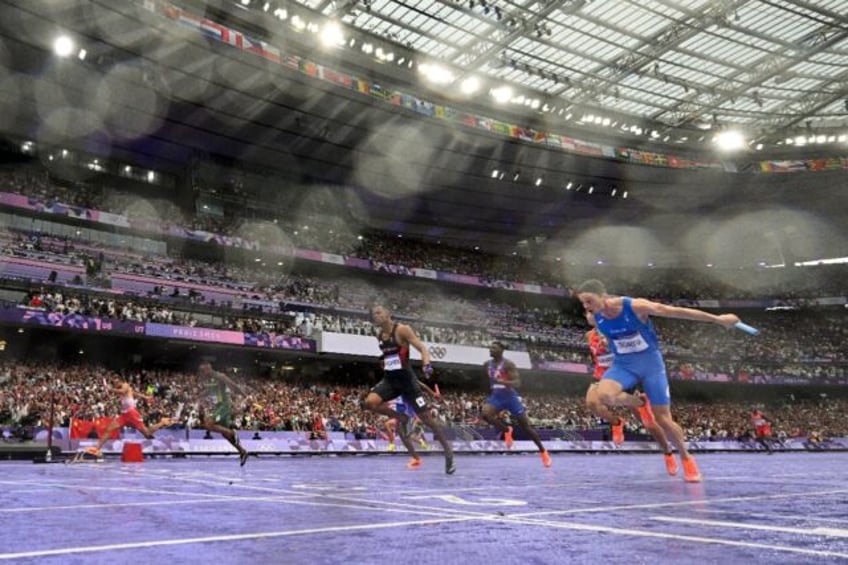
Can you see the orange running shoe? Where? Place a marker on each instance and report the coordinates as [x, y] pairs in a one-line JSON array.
[[414, 463], [94, 451], [618, 432], [645, 411], [546, 458], [670, 464], [508, 437], [691, 474]]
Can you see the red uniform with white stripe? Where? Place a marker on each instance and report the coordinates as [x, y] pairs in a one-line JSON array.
[[601, 356], [761, 426], [129, 414]]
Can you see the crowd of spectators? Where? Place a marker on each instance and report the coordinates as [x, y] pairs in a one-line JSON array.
[[292, 404], [393, 254]]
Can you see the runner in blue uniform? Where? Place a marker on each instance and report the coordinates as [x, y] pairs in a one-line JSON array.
[[503, 379], [625, 322]]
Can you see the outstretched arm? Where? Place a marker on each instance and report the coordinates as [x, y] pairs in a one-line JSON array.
[[645, 308]]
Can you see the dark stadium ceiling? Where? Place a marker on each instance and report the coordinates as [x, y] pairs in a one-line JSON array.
[[769, 66], [164, 98]]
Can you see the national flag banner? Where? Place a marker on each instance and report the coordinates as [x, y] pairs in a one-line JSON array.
[[212, 30], [661, 160], [377, 91], [568, 144], [396, 98], [291, 61], [525, 134], [673, 162], [262, 49], [363, 87], [501, 127], [553, 139], [440, 112], [407, 101], [336, 77], [424, 107], [540, 136], [450, 113], [309, 68], [469, 120], [608, 151]]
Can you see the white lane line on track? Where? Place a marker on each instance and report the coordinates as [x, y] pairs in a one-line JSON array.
[[699, 502], [222, 538], [216, 500], [774, 516], [829, 532]]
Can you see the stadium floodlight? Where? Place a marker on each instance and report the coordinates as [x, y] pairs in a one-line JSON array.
[[436, 74], [63, 46], [501, 94], [470, 85], [297, 23], [729, 140], [331, 35]]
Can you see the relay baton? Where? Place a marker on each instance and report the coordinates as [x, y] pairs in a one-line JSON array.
[[746, 328]]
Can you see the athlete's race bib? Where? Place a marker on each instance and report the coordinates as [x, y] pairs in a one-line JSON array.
[[392, 363], [605, 360], [630, 344]]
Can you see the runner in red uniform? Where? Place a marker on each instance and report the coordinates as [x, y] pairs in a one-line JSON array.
[[129, 417]]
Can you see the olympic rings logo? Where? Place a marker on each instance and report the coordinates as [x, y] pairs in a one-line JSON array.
[[437, 352]]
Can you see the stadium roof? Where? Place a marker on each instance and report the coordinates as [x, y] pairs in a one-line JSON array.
[[769, 66]]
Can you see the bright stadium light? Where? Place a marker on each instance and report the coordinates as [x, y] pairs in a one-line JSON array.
[[729, 140], [436, 74], [331, 34], [470, 85], [502, 94], [63, 46]]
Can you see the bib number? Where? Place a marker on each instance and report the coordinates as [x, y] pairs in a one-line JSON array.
[[392, 363], [630, 344], [605, 360]]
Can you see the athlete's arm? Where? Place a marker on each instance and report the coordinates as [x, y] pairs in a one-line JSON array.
[[427, 390], [229, 382], [408, 334], [645, 308], [512, 372]]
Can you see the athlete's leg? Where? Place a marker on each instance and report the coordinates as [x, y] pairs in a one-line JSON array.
[[611, 388], [655, 430], [598, 408], [524, 424], [439, 434], [491, 414]]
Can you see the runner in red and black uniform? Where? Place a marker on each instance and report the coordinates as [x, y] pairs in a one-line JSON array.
[[762, 429], [399, 380], [602, 358]]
